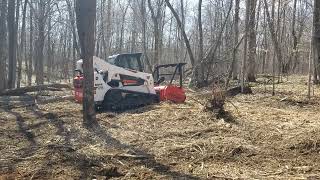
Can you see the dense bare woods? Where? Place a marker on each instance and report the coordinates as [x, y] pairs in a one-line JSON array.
[[220, 40], [250, 111]]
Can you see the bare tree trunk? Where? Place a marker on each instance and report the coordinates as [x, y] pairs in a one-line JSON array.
[[86, 18], [181, 50], [98, 42], [144, 34], [233, 68], [156, 19], [236, 40], [69, 42], [3, 34], [12, 45], [265, 44], [183, 18], [49, 52], [102, 29], [75, 46], [134, 29], [278, 37], [39, 44], [252, 42], [316, 40], [22, 42], [310, 70], [244, 60], [121, 40], [73, 25], [200, 40], [64, 65], [273, 33], [294, 53], [30, 64], [18, 54], [108, 28]]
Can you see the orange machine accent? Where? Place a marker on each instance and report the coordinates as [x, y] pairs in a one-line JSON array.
[[171, 93], [127, 82], [78, 88]]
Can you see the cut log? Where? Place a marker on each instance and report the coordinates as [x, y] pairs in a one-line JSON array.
[[23, 90]]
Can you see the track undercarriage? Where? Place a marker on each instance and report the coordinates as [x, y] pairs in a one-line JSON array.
[[119, 100]]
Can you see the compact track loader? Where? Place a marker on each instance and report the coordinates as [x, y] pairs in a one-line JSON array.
[[120, 83]]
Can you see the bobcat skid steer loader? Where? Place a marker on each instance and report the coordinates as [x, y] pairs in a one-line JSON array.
[[120, 83]]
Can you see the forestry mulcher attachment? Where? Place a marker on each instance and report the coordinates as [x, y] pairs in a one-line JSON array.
[[120, 83]]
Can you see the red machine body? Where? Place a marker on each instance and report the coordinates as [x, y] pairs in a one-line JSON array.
[[78, 88], [171, 93]]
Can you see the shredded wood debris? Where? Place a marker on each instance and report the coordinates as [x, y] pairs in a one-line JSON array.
[[260, 136]]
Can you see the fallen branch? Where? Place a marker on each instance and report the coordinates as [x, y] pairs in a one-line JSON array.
[[22, 104], [131, 156], [54, 100], [23, 90]]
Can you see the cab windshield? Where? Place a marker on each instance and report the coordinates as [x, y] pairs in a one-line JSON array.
[[126, 61]]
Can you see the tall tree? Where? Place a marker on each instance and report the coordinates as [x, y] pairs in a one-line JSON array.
[[86, 18], [142, 9], [30, 61], [200, 39], [157, 17], [274, 38], [42, 13], [245, 48], [294, 53], [22, 42], [124, 10], [73, 25], [233, 67], [316, 40], [3, 33], [252, 44], [12, 44], [49, 52], [108, 28]]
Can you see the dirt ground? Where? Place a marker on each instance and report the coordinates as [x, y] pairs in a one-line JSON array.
[[261, 137]]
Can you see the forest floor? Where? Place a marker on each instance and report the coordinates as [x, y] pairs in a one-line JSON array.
[[261, 137]]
